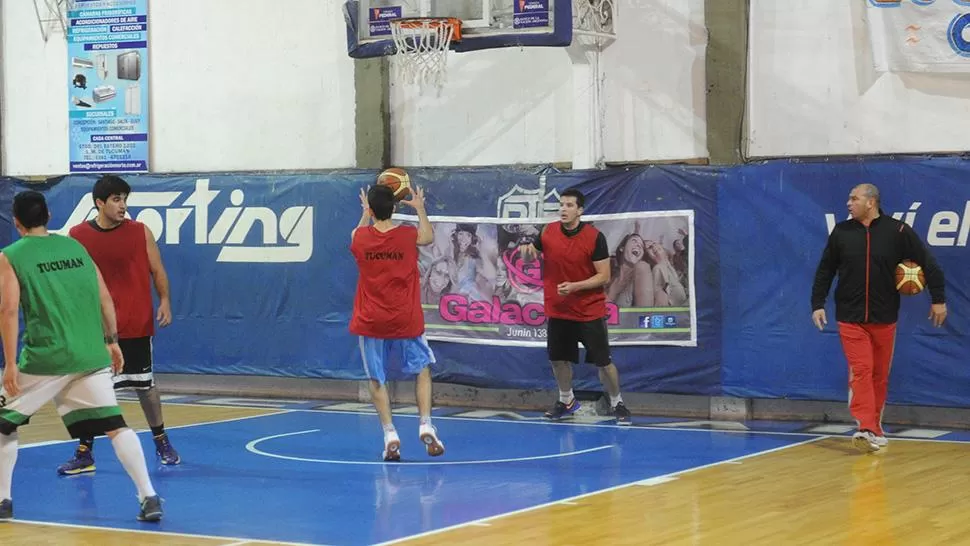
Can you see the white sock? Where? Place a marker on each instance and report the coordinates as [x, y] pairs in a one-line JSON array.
[[8, 458], [425, 420], [566, 397], [614, 400], [132, 457], [389, 429]]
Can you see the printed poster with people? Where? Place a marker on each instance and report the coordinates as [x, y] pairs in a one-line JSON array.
[[477, 287]]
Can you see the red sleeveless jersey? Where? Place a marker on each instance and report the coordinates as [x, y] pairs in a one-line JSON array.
[[121, 254], [388, 300], [570, 259]]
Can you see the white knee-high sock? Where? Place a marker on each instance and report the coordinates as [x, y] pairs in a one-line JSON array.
[[8, 458], [132, 457]]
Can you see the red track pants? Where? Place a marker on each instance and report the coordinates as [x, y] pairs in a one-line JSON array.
[[869, 350]]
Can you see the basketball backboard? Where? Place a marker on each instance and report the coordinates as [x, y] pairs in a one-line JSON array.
[[485, 23]]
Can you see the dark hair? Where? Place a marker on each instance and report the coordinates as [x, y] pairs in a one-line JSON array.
[[109, 185], [573, 192], [380, 199], [30, 209]]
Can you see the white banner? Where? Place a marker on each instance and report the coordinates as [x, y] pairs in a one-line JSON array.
[[920, 35]]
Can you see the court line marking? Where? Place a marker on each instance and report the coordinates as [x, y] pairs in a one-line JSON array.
[[573, 499], [234, 540], [216, 422], [543, 422], [538, 420], [527, 420], [813, 437], [251, 447]]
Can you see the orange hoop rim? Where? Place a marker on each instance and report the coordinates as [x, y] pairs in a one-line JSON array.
[[413, 23]]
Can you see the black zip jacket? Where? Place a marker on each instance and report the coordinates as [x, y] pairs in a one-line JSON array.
[[865, 259]]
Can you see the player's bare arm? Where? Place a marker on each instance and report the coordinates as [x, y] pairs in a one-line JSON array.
[[160, 277], [9, 325], [365, 216], [601, 278], [425, 231], [109, 322]]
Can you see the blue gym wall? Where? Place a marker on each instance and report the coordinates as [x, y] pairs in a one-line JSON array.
[[759, 230]]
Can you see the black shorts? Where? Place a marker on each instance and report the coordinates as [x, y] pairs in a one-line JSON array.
[[564, 336], [137, 372]]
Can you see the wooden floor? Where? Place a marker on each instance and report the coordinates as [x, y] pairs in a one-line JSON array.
[[819, 493], [822, 492]]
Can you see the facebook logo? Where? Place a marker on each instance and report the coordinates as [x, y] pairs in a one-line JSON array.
[[656, 321]]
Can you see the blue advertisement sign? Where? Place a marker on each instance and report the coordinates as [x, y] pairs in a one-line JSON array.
[[107, 43]]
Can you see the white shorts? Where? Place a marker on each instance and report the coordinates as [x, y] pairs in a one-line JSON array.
[[410, 356], [86, 402]]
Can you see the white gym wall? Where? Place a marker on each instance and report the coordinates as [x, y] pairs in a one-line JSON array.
[[812, 89], [243, 85]]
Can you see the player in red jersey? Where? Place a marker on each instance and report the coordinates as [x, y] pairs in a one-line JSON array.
[[387, 308], [576, 267], [126, 253]]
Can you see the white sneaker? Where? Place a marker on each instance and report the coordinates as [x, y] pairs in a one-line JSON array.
[[429, 436], [882, 442], [392, 447], [865, 441]]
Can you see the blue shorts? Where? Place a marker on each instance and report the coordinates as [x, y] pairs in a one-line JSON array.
[[410, 356]]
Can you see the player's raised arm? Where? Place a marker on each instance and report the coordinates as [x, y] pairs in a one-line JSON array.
[[365, 215], [425, 231]]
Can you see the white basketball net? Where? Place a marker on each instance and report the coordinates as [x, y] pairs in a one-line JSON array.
[[422, 50]]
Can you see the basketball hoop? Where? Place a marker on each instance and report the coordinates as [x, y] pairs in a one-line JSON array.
[[422, 47]]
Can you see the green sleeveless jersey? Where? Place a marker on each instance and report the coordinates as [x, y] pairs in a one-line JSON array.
[[59, 298]]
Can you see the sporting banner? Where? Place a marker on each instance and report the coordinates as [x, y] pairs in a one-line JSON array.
[[262, 278], [920, 35], [478, 287], [107, 47]]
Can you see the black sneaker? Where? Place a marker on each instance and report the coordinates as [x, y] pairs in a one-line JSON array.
[[6, 509], [82, 462], [151, 509], [164, 449], [561, 410], [622, 414]]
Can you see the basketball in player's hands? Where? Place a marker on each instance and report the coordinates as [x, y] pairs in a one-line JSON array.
[[910, 279], [398, 180]]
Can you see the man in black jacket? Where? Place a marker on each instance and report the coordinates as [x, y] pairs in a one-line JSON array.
[[864, 252]]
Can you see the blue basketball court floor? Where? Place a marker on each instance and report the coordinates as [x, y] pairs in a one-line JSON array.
[[310, 472]]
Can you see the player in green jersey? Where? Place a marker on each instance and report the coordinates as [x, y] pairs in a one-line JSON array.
[[70, 346]]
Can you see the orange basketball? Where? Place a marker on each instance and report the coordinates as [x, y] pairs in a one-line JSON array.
[[909, 278], [398, 180]]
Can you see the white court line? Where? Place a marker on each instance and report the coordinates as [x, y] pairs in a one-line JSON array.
[[590, 494], [251, 447], [813, 437], [542, 421], [236, 540], [217, 422]]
